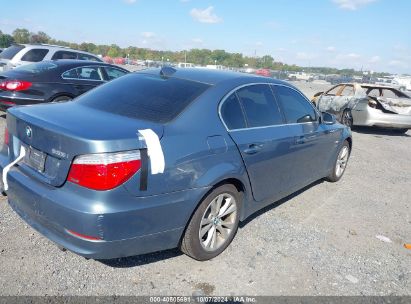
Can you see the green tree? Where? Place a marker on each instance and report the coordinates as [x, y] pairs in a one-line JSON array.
[[40, 37], [21, 35], [114, 51], [5, 40]]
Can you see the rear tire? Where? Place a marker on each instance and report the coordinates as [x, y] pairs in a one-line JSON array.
[[340, 163], [213, 225], [62, 99]]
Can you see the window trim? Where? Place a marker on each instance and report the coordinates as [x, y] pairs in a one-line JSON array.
[[280, 109], [85, 66]]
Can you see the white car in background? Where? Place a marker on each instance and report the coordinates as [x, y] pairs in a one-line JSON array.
[[20, 54], [356, 104]]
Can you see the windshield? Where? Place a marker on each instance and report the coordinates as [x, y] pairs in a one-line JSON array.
[[36, 68], [11, 51], [145, 97]]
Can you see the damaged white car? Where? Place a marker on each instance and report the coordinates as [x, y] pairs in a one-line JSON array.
[[371, 105]]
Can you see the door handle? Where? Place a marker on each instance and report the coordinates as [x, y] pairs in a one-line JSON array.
[[253, 148]]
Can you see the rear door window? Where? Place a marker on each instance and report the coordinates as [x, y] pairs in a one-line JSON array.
[[82, 56], [71, 74], [11, 51], [387, 93], [113, 73], [348, 90], [374, 92], [259, 106], [296, 108], [35, 55], [90, 73], [143, 96], [232, 114], [64, 55]]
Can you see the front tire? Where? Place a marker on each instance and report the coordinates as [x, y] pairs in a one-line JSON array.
[[346, 118], [213, 225], [340, 163]]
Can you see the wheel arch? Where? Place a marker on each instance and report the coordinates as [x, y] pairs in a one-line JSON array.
[[57, 95], [236, 182], [349, 139]]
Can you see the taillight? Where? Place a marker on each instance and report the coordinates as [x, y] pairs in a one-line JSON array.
[[104, 171], [83, 236], [15, 85], [6, 136]]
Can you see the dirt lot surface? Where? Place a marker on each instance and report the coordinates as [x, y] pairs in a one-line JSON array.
[[328, 239]]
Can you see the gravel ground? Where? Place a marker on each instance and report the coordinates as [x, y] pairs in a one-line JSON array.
[[320, 241]]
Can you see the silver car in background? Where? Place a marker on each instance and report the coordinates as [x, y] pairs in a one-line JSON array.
[[370, 105], [20, 54]]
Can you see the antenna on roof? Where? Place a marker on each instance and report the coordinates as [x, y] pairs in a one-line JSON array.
[[167, 71]]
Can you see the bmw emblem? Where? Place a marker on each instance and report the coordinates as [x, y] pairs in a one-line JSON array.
[[29, 132]]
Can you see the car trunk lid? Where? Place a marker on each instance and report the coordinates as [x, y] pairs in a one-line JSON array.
[[53, 134]]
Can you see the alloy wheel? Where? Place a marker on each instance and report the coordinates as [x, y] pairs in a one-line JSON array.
[[342, 161], [218, 222]]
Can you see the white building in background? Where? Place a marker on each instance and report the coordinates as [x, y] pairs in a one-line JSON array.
[[185, 65]]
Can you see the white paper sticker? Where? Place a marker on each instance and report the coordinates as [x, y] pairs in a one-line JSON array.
[[154, 151], [7, 168]]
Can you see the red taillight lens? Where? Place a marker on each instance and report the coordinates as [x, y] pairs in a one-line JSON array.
[[8, 103], [104, 171], [6, 136], [15, 85], [83, 236]]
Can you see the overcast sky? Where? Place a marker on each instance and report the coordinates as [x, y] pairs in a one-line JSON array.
[[369, 34]]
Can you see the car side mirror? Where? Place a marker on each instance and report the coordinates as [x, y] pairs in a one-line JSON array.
[[318, 94], [328, 119]]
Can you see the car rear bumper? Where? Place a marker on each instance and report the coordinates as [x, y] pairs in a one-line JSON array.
[[10, 101], [374, 117], [152, 224]]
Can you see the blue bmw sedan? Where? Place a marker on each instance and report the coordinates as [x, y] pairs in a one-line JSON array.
[[165, 158]]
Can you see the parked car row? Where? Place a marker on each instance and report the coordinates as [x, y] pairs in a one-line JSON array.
[[160, 158]]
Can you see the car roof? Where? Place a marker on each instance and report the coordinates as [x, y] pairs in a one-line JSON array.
[[67, 63], [369, 85], [214, 77]]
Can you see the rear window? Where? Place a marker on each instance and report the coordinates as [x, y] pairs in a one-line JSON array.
[[35, 55], [64, 55], [82, 56], [11, 51], [145, 97], [36, 68]]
